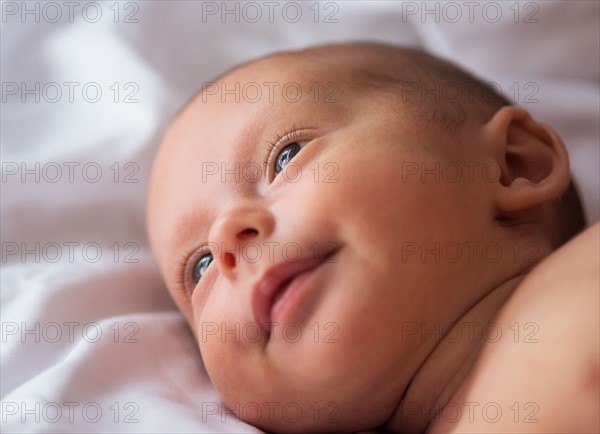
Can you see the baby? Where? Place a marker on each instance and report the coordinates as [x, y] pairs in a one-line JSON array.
[[364, 236]]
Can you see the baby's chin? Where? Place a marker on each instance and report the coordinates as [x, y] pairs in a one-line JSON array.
[[287, 413], [313, 393]]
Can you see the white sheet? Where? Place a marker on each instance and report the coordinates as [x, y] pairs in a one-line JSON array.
[[148, 377]]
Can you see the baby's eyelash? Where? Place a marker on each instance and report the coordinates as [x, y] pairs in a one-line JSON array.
[[288, 134], [181, 269], [182, 272], [282, 139]]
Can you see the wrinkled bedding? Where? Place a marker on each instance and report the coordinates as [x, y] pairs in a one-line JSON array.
[[90, 339]]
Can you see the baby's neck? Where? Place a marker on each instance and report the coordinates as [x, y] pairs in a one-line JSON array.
[[448, 365]]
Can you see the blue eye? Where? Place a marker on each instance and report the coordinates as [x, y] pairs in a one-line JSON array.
[[201, 266], [286, 155]]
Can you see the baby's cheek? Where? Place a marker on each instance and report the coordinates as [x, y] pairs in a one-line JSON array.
[[312, 376]]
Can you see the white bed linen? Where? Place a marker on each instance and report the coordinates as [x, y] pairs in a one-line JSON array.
[[148, 377]]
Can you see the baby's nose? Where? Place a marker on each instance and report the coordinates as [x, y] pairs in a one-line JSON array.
[[233, 230]]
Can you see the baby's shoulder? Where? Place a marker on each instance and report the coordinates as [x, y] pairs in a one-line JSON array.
[[541, 374], [564, 288], [573, 267]]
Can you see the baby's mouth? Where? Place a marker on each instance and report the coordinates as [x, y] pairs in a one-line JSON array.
[[278, 284]]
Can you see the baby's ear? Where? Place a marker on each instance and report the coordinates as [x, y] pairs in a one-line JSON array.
[[533, 160]]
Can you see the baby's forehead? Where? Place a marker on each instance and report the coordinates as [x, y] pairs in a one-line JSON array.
[[320, 71], [275, 87], [284, 65]]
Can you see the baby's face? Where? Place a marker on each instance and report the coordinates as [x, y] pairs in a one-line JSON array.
[[336, 210]]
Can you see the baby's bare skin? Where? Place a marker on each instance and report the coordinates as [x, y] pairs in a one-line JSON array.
[[378, 371], [543, 374]]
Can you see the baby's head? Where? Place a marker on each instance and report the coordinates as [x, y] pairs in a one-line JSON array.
[[345, 194]]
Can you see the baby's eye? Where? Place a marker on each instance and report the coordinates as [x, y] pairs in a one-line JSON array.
[[201, 266], [286, 155]]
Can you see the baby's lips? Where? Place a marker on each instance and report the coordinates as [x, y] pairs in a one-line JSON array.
[[273, 283]]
